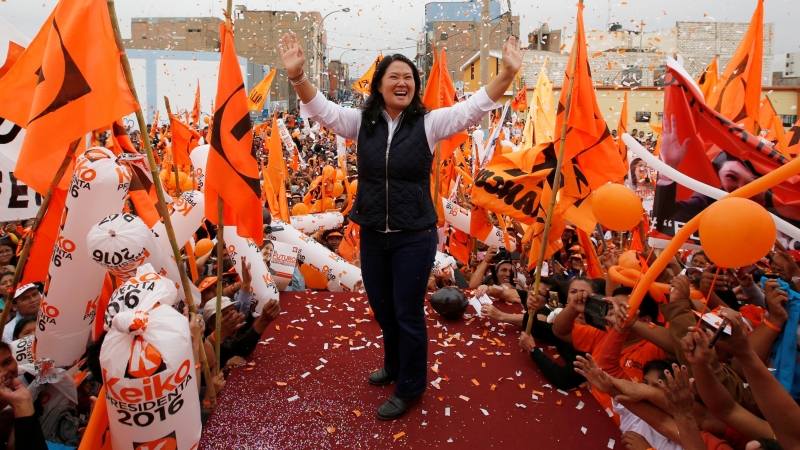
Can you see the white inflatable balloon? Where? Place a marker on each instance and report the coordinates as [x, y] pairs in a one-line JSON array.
[[264, 288], [342, 276], [99, 186], [311, 223], [459, 218], [148, 367], [199, 159], [187, 216]]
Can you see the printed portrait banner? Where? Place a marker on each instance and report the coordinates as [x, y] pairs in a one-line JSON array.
[[264, 288], [17, 201], [719, 153], [282, 263], [642, 179]]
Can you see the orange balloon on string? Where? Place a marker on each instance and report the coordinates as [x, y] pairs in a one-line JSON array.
[[736, 232], [203, 247], [338, 189], [299, 209], [617, 207]]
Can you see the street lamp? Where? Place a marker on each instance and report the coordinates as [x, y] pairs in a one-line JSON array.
[[316, 76]]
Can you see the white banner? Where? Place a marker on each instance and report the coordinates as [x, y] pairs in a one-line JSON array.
[[282, 263], [17, 201]]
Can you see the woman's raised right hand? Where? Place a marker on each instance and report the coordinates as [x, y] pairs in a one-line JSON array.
[[292, 55]]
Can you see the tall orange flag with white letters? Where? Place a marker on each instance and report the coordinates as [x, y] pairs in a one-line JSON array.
[[68, 82], [232, 170]]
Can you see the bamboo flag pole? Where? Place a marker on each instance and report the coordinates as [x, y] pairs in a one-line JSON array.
[[26, 247], [556, 180], [174, 166], [162, 204]]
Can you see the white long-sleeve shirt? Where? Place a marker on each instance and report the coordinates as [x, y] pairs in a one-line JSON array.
[[439, 124]]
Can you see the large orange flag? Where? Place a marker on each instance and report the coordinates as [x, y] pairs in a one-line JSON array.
[[196, 108], [707, 81], [276, 174], [68, 82], [184, 140], [738, 95], [793, 139], [766, 114], [232, 170], [588, 139]]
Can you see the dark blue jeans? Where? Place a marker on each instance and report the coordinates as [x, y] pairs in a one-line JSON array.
[[395, 268]]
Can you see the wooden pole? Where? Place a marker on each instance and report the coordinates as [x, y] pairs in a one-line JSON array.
[[151, 161], [26, 247], [174, 166], [556, 180], [602, 238]]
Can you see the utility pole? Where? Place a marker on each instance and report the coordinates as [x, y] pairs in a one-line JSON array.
[[485, 17]]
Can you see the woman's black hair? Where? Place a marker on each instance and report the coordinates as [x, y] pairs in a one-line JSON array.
[[580, 278], [769, 444], [659, 365], [374, 105], [21, 324]]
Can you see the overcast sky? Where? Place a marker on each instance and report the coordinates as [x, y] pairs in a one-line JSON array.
[[385, 24]]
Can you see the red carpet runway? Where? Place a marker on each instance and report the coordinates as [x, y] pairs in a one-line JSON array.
[[308, 389]]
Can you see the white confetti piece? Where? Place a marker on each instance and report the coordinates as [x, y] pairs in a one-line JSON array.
[[519, 373], [610, 443], [521, 405], [583, 430], [609, 412], [485, 412], [291, 399], [323, 361], [424, 423], [305, 374], [291, 344], [320, 324], [548, 386], [580, 405], [357, 348], [450, 440], [562, 392], [447, 414], [376, 345], [336, 326], [438, 353], [325, 347], [424, 413], [469, 343], [322, 365], [535, 397], [459, 355]]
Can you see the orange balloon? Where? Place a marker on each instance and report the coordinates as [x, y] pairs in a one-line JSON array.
[[205, 120], [314, 278], [507, 149], [300, 209], [183, 179], [617, 207], [338, 189], [339, 175], [328, 173], [629, 260], [329, 204], [307, 200], [353, 187], [730, 221], [203, 247]]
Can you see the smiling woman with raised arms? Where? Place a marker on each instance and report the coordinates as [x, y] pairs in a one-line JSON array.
[[396, 137]]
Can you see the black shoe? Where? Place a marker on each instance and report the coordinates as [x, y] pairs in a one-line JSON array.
[[381, 378], [396, 407]]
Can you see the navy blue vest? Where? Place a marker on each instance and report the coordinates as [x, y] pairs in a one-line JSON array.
[[394, 185]]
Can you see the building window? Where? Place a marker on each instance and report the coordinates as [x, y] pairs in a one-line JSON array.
[[643, 116], [472, 71], [788, 119], [660, 116]]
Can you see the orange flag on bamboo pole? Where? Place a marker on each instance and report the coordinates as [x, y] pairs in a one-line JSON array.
[[184, 140], [154, 126], [196, 108], [363, 84], [738, 94], [232, 170], [707, 81], [594, 269], [69, 79], [276, 174], [588, 139], [119, 139]]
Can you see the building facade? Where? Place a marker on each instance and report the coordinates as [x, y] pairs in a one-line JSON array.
[[194, 34]]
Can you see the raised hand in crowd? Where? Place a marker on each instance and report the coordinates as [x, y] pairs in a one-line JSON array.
[[269, 313], [231, 323], [678, 392], [672, 150]]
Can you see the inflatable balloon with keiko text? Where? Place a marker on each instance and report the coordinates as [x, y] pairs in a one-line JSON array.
[[341, 275], [459, 218], [199, 157], [148, 367], [187, 216], [311, 223], [264, 287], [99, 186]]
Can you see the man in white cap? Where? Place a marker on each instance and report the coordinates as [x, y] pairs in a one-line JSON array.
[[27, 299]]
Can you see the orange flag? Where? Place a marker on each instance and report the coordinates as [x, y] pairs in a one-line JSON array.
[[184, 140], [351, 243], [622, 128], [765, 115], [120, 141], [196, 108], [276, 174], [594, 269], [154, 126], [707, 81], [68, 82], [520, 102], [588, 139], [362, 85], [793, 139], [232, 170], [557, 227], [738, 95]]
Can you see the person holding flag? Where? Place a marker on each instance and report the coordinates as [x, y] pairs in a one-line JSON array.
[[396, 137]]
